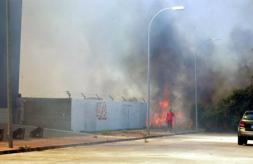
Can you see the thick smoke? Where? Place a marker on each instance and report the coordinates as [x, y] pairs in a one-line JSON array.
[[101, 47], [242, 44], [80, 46]]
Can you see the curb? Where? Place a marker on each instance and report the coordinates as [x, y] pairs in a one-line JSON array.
[[28, 149]]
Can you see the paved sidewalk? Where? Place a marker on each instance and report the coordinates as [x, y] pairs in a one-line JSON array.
[[98, 138]]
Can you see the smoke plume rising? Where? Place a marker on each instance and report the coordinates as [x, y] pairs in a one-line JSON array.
[[98, 47]]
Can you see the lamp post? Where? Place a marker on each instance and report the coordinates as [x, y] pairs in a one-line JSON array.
[[9, 77], [196, 79], [148, 71], [196, 91]]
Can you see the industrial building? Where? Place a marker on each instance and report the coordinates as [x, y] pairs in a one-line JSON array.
[[10, 31]]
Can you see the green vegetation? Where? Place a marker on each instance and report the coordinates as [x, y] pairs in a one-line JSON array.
[[226, 114]]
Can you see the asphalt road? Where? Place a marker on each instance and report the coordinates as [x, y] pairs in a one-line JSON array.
[[192, 148]]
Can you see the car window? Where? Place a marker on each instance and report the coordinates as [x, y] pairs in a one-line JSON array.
[[248, 116]]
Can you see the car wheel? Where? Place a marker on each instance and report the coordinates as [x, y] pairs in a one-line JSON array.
[[240, 140], [245, 141]]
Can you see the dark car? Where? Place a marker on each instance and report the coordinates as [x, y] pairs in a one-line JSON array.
[[245, 128]]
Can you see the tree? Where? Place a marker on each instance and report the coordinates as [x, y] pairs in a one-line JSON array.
[[226, 114]]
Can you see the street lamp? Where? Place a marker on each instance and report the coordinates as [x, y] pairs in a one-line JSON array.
[[196, 78], [148, 72], [9, 76]]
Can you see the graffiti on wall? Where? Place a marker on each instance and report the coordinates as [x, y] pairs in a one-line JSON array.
[[101, 111]]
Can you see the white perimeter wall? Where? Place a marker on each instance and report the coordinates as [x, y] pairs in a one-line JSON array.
[[97, 115], [3, 115]]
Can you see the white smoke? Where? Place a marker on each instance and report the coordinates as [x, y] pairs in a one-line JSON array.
[[100, 47]]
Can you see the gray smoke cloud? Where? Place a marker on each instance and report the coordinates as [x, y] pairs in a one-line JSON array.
[[78, 46], [101, 47]]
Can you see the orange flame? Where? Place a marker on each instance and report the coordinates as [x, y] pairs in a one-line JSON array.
[[164, 104], [158, 115], [158, 119], [159, 110]]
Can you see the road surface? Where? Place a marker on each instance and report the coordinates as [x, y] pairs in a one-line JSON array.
[[192, 148]]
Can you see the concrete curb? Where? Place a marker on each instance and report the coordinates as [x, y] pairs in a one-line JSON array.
[[41, 148]]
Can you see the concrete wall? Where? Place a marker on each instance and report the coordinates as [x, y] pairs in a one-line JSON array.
[[97, 115], [3, 115], [84, 115], [48, 113]]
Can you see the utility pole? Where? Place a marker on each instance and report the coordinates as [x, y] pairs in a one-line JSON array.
[[9, 78]]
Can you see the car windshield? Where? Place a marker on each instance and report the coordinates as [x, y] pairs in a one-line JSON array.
[[248, 116]]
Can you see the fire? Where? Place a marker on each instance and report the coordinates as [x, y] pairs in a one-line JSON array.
[[159, 110], [164, 104], [158, 119]]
